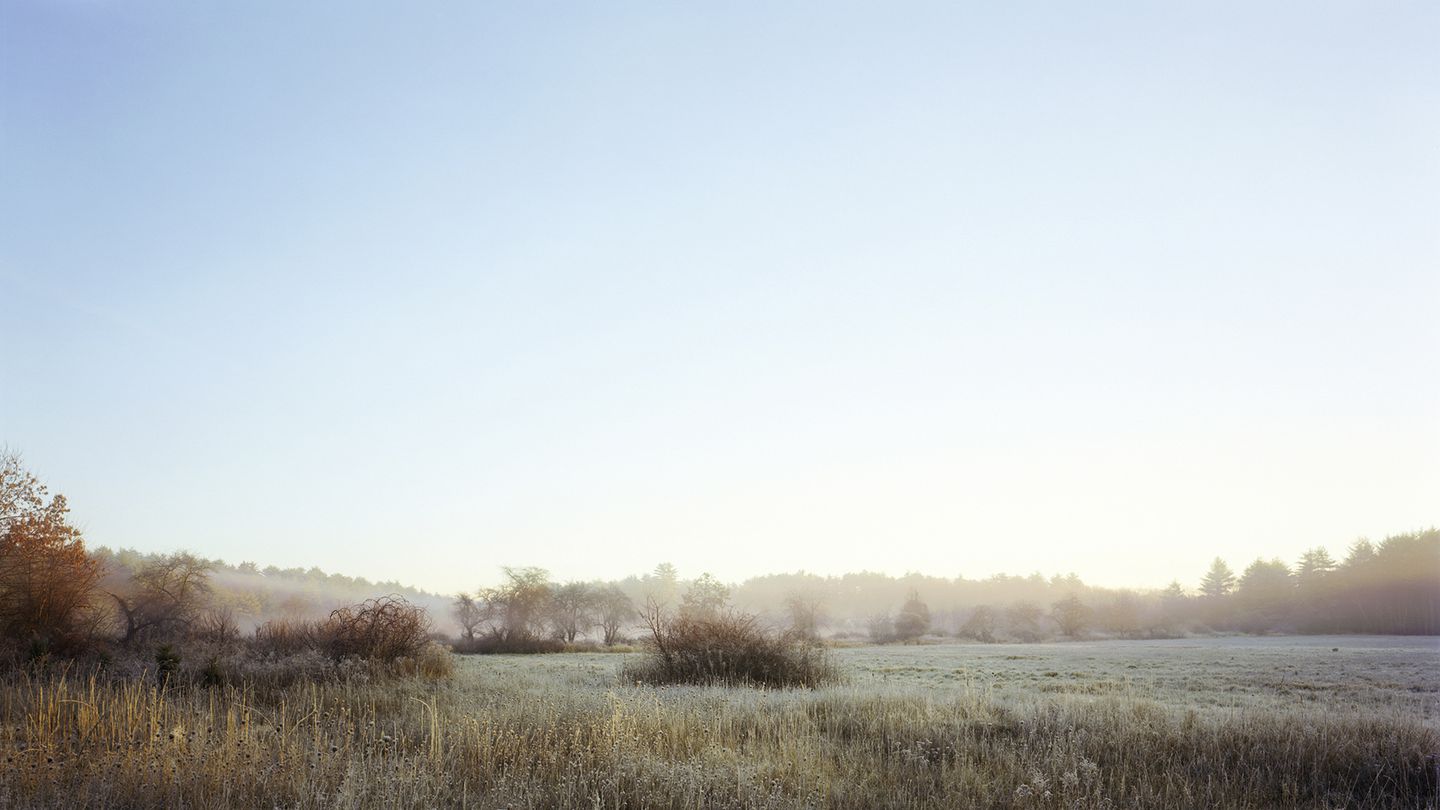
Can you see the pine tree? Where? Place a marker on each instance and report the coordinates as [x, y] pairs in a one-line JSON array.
[[1314, 566], [1219, 581]]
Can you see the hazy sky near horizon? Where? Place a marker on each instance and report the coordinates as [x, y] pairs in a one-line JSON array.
[[416, 291]]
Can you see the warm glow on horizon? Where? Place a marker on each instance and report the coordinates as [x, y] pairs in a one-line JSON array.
[[969, 292]]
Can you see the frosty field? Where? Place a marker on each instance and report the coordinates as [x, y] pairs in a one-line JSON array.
[[1229, 722]]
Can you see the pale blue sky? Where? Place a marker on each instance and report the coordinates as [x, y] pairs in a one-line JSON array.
[[415, 290]]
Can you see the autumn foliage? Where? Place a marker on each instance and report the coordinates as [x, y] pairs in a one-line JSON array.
[[47, 580]]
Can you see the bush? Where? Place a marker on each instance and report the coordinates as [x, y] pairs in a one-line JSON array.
[[383, 629], [167, 663], [728, 648], [282, 637], [434, 663], [375, 638], [216, 627]]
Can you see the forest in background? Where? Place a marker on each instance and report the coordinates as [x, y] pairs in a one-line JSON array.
[[59, 597], [1390, 587]]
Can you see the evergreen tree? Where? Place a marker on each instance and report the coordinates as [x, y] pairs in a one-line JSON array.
[[1362, 551], [1314, 566], [1218, 581]]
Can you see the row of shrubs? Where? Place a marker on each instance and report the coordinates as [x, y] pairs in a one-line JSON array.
[[378, 638]]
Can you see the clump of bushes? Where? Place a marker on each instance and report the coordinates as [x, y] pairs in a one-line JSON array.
[[383, 629], [727, 648], [387, 634]]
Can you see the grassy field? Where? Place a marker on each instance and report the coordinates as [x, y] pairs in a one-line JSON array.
[[1290, 722]]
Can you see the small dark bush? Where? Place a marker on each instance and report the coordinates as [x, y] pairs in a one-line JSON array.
[[167, 662], [213, 674], [728, 648]]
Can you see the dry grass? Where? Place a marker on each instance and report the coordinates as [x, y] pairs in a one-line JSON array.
[[561, 731]]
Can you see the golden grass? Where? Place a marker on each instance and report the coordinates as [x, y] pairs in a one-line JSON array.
[[525, 733]]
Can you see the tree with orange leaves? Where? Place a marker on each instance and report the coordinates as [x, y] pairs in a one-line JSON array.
[[47, 580]]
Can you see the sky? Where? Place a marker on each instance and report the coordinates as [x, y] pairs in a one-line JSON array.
[[413, 291]]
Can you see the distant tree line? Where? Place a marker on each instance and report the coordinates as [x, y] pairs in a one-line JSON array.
[[528, 612], [57, 596], [1389, 587], [253, 595]]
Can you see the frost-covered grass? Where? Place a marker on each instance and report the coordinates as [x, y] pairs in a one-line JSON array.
[[1171, 724], [1378, 674]]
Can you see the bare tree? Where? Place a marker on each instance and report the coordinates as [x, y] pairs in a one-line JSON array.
[[981, 624], [469, 614], [806, 613], [657, 623], [1023, 619], [572, 609], [616, 611], [166, 596], [881, 628], [517, 609]]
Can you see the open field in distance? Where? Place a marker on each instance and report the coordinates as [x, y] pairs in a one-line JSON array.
[[1327, 673], [1235, 722]]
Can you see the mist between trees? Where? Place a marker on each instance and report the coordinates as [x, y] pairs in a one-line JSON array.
[[1390, 587], [57, 597]]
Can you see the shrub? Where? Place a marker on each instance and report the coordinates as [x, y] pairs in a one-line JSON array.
[[167, 662], [282, 637], [729, 648], [383, 629], [374, 639], [880, 629], [216, 627], [914, 619], [433, 663], [213, 674]]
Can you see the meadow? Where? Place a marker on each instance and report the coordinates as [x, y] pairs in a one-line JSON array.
[[1346, 721]]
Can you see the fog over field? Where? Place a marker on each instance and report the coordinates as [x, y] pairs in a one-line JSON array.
[[679, 405]]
